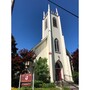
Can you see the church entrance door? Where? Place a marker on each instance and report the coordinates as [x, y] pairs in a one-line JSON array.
[[58, 71]]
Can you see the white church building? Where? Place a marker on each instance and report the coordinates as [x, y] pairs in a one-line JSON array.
[[52, 47]]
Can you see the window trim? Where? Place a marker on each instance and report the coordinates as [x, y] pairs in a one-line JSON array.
[[56, 45]]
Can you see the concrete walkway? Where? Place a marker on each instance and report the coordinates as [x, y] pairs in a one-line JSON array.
[[70, 86]]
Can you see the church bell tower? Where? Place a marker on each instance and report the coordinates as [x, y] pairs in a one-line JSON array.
[[59, 63]]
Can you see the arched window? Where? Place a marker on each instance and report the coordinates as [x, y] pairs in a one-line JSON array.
[[56, 43], [54, 22], [45, 24]]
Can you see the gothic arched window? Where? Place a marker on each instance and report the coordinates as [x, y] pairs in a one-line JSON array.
[[54, 22], [45, 24], [56, 43]]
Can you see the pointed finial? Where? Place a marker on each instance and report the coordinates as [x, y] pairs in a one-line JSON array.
[[56, 11], [43, 15], [48, 7]]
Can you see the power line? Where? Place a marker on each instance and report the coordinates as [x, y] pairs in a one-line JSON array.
[[63, 8]]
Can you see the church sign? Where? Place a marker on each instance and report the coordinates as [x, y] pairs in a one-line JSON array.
[[26, 79]]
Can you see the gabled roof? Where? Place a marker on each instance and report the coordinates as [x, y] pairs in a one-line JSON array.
[[39, 43], [67, 52]]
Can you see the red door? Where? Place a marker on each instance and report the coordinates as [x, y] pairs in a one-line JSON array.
[[60, 78], [58, 67], [58, 74]]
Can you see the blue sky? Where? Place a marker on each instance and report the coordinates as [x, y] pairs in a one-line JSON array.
[[27, 22]]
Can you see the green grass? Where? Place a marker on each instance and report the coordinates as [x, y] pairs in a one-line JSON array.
[[47, 89], [36, 89], [65, 88]]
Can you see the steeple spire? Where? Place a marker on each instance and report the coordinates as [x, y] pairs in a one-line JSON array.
[[48, 7], [56, 11], [43, 15]]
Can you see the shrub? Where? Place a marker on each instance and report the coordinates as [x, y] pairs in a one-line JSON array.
[[42, 70], [48, 85], [38, 83], [75, 77], [26, 88], [41, 84]]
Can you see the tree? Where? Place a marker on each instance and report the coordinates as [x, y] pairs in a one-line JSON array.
[[17, 67], [41, 70], [75, 61], [18, 64], [13, 46], [27, 55], [14, 63]]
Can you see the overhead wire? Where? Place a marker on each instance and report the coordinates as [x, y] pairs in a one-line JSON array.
[[63, 8]]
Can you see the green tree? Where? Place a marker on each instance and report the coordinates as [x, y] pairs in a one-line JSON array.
[[41, 70]]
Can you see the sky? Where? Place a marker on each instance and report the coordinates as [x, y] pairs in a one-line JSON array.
[[27, 22]]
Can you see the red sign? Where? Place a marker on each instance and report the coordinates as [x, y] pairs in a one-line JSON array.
[[26, 78]]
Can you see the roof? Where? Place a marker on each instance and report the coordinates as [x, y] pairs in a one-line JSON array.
[[67, 52], [39, 43]]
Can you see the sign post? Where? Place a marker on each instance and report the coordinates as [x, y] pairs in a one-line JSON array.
[[33, 82], [19, 81]]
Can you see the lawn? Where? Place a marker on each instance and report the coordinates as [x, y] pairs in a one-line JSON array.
[[40, 89], [36, 89]]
